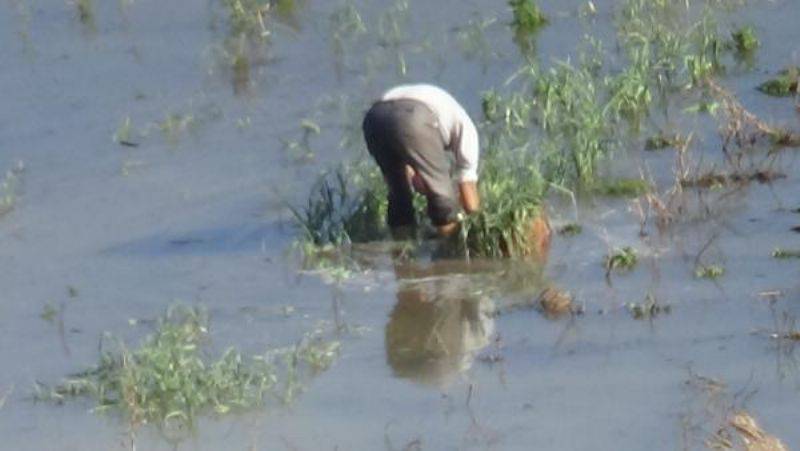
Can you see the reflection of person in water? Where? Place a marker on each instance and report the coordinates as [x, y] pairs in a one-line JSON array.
[[435, 329]]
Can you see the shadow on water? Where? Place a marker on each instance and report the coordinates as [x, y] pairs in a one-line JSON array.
[[445, 313], [241, 238]]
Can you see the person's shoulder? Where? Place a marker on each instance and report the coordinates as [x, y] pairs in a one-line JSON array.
[[416, 89]]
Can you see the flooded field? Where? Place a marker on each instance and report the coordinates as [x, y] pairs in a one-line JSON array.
[[152, 153]]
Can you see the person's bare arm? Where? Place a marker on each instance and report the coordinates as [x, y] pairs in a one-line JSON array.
[[470, 199]]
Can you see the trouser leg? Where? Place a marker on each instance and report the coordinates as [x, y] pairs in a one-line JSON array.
[[380, 134], [424, 150]]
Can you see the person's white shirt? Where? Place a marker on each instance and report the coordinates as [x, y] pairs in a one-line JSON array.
[[458, 131]]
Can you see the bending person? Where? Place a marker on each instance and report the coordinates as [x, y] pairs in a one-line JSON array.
[[411, 132]]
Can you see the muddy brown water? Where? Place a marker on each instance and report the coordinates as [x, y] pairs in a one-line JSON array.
[[433, 356]]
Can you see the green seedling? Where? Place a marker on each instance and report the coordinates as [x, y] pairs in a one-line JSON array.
[[649, 309], [168, 381], [745, 40], [512, 198], [784, 85], [621, 260], [784, 254], [709, 272], [528, 17]]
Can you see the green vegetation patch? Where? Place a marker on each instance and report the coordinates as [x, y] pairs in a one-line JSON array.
[[511, 195], [784, 85], [649, 309], [622, 187], [621, 260], [745, 40], [709, 271], [528, 17], [168, 381]]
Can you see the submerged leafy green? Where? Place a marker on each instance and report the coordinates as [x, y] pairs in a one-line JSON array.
[[784, 85], [168, 381]]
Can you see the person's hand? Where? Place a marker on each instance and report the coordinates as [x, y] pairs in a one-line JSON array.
[[415, 180], [470, 199]]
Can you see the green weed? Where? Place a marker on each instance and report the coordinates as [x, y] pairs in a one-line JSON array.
[[511, 191], [784, 85], [709, 272], [528, 17], [621, 187], [745, 40], [571, 114], [528, 20], [169, 382], [649, 309], [344, 207], [621, 260]]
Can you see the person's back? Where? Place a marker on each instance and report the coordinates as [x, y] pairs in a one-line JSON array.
[[408, 132]]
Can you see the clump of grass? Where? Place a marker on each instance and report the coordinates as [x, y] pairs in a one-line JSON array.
[[345, 207], [784, 85], [621, 187], [649, 309], [709, 272], [745, 40], [168, 381], [512, 199], [784, 254], [572, 116], [621, 260], [528, 17]]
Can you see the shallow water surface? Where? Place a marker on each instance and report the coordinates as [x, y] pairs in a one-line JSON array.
[[435, 355]]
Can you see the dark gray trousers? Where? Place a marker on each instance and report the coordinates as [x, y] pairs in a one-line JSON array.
[[400, 132]]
